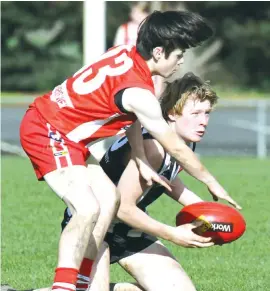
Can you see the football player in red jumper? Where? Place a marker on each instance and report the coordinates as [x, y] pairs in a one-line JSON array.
[[101, 100]]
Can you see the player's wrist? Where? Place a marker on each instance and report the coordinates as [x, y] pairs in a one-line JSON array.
[[208, 180], [170, 233], [141, 161]]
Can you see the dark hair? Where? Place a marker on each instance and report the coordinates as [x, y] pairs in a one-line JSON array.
[[171, 30], [176, 94]]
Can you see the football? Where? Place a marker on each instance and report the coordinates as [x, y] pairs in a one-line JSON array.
[[221, 222]]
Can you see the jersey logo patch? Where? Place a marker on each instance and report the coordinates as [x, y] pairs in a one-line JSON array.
[[60, 97]]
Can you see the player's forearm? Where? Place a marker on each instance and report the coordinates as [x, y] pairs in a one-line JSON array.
[[188, 197], [192, 165], [135, 140], [138, 219], [186, 158], [181, 193]]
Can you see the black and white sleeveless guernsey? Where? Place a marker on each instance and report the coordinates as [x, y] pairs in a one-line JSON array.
[[124, 240]]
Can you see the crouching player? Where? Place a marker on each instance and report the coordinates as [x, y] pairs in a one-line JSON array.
[[132, 237]]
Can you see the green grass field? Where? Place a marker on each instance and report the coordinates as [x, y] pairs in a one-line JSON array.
[[31, 216]]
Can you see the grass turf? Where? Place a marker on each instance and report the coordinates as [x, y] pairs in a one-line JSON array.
[[31, 216]]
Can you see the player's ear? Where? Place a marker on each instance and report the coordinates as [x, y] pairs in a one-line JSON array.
[[172, 117], [157, 53]]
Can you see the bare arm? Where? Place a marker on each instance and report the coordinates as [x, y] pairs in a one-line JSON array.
[[146, 107], [135, 139], [181, 193], [131, 188], [134, 135]]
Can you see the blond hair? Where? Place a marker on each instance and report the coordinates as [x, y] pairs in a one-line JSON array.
[[176, 94]]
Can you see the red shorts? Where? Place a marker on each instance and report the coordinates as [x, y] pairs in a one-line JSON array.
[[47, 149]]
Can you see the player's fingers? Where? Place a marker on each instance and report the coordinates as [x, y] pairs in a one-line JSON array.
[[202, 245], [199, 222], [196, 223], [215, 198], [163, 182], [232, 202], [149, 182], [200, 239]]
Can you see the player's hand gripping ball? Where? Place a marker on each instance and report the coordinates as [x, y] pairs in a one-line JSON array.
[[221, 222]]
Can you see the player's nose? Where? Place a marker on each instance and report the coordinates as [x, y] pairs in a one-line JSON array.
[[204, 120]]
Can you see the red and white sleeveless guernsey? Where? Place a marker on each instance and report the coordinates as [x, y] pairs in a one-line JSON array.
[[83, 109]]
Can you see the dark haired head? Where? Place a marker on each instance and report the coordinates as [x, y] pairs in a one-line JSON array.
[[171, 30]]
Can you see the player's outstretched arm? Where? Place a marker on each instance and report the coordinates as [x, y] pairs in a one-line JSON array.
[[146, 107], [134, 135]]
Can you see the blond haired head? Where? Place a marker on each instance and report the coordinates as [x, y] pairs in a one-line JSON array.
[[179, 91]]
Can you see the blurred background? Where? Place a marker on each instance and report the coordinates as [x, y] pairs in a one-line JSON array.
[[43, 43]]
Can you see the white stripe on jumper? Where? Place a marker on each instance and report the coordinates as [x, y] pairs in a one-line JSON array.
[[64, 285], [87, 129]]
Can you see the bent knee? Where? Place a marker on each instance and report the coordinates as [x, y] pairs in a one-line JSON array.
[[111, 202], [88, 208], [88, 211]]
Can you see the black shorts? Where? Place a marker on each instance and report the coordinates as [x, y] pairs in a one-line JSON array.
[[121, 245]]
